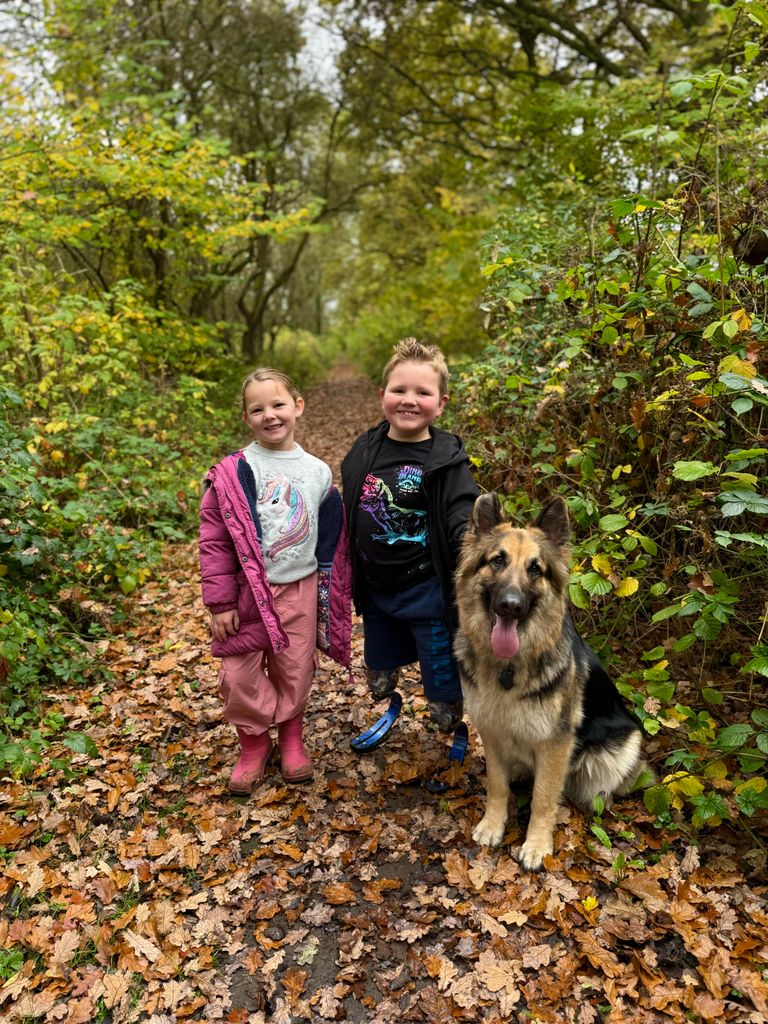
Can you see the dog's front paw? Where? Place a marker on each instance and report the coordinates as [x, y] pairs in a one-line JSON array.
[[533, 852], [489, 832]]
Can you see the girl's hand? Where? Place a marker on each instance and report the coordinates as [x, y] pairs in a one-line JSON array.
[[224, 624]]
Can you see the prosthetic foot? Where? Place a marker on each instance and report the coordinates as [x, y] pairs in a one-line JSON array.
[[378, 732], [456, 755]]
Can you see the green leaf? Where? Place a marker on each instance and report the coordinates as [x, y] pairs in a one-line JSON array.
[[654, 655], [712, 696], [734, 381], [666, 613], [700, 308], [81, 744], [11, 753], [749, 799], [622, 208], [748, 479], [128, 584], [594, 583], [758, 664], [708, 807], [744, 499], [742, 405], [758, 14], [707, 629], [578, 595], [678, 90], [733, 508], [602, 836], [612, 522], [746, 453], [649, 546], [751, 50], [734, 736], [725, 539], [692, 470], [684, 643], [750, 762], [656, 799], [697, 292], [663, 691]]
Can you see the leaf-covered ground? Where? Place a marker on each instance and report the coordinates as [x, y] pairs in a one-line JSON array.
[[139, 890]]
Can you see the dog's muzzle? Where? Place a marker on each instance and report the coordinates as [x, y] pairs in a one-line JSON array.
[[510, 603], [509, 606]]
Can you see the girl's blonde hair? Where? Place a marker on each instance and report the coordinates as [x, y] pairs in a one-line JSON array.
[[267, 373], [411, 350]]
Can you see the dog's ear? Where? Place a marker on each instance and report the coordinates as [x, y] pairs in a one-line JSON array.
[[486, 513], [553, 520]]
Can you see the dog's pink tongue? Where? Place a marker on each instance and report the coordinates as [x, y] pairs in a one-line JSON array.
[[504, 639]]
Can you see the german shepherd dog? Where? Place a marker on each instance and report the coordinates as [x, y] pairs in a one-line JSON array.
[[536, 692]]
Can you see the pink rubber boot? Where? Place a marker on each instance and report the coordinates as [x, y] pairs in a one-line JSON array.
[[295, 762], [254, 754]]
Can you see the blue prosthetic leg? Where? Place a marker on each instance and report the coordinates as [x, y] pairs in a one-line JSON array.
[[456, 754], [378, 732]]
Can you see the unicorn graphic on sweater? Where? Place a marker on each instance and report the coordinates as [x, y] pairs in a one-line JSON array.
[[285, 502]]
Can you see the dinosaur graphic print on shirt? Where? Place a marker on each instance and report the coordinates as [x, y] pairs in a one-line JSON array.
[[392, 535], [395, 522]]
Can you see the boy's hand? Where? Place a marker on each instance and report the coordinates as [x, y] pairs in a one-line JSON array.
[[224, 624]]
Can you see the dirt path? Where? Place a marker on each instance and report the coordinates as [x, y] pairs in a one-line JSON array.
[[137, 889], [334, 415]]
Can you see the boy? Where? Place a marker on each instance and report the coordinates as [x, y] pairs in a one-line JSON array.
[[408, 494]]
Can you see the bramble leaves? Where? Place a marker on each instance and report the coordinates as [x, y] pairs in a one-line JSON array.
[[692, 470], [645, 357]]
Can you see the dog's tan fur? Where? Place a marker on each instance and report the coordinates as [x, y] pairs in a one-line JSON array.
[[529, 708]]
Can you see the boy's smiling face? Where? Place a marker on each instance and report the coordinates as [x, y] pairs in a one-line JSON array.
[[411, 401]]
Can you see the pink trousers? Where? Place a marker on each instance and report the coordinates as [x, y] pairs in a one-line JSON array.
[[261, 688]]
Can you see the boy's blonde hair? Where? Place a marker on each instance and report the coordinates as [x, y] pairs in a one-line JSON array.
[[267, 373], [411, 350]]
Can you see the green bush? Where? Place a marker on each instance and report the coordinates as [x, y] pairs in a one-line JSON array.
[[302, 356], [634, 383], [103, 445]]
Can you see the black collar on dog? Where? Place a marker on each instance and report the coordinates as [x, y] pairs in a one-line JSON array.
[[507, 677]]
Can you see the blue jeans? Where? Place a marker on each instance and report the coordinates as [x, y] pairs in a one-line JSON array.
[[410, 626]]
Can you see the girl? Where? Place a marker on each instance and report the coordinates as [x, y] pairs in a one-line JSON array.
[[275, 575]]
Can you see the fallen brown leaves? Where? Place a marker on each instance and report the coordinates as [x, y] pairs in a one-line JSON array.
[[137, 889]]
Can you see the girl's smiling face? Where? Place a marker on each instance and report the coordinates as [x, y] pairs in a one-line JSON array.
[[271, 413]]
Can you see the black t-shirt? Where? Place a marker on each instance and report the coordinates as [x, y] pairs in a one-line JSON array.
[[391, 517]]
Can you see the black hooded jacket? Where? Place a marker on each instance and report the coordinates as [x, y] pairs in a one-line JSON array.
[[450, 492]]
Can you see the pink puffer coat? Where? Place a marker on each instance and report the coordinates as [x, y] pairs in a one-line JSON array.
[[233, 573]]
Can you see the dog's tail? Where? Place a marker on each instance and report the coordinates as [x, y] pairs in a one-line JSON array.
[[607, 771]]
